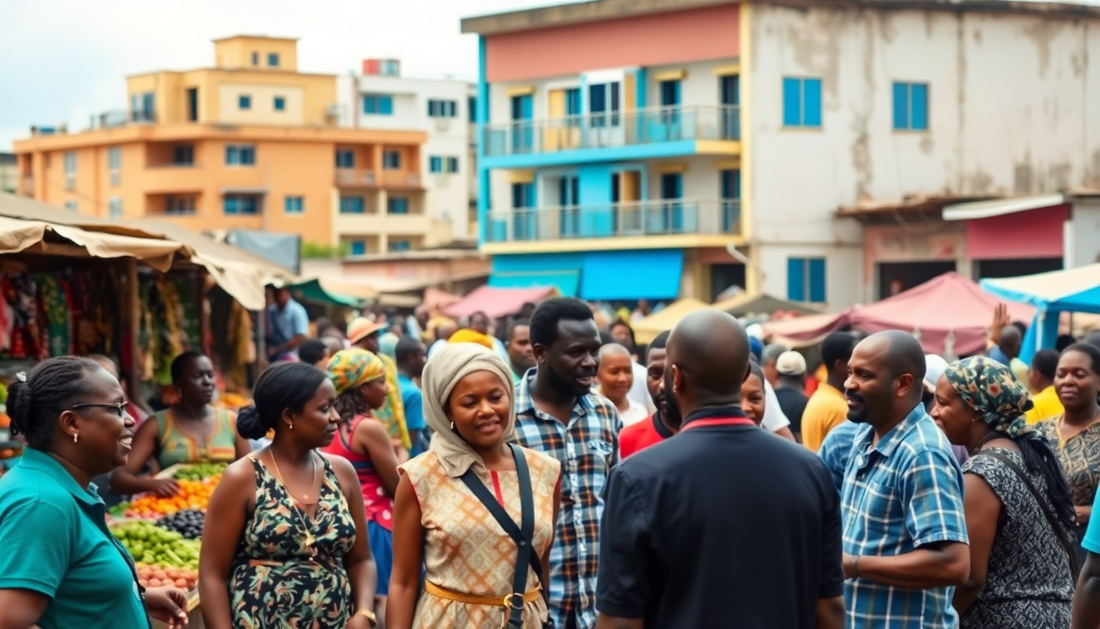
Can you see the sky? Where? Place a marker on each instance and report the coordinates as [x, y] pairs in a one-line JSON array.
[[65, 60]]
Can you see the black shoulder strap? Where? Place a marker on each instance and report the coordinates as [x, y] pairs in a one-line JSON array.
[[522, 534], [1059, 530]]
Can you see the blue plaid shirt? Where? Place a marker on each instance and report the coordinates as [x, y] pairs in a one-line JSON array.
[[901, 494], [588, 447]]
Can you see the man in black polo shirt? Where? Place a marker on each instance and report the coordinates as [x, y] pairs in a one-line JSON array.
[[724, 525]]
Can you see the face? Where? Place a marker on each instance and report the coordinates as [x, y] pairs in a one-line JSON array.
[[479, 406], [655, 379], [197, 383], [317, 422], [519, 348], [106, 434], [1075, 382], [370, 343], [868, 388], [616, 376], [282, 296], [414, 365], [375, 392], [752, 398], [572, 360], [952, 414], [479, 323], [672, 411], [621, 334]]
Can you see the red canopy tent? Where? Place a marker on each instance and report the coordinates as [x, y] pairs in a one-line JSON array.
[[949, 314], [498, 302]]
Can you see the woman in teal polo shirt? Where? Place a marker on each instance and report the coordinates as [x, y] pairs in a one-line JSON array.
[[60, 567]]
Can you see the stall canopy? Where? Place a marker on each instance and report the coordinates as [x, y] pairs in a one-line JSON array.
[[744, 304], [18, 235], [949, 314], [498, 302], [647, 329], [435, 298]]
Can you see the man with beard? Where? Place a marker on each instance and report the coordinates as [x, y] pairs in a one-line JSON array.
[[725, 526], [905, 537], [557, 414], [665, 421]]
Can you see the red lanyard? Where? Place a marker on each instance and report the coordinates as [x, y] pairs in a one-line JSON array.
[[719, 421]]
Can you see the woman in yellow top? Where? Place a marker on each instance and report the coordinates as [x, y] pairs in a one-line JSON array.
[[192, 431]]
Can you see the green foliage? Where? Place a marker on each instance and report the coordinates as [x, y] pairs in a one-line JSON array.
[[316, 251]]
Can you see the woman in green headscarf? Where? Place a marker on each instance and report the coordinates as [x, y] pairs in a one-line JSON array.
[[1019, 513]]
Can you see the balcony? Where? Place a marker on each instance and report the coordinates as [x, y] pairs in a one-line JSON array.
[[369, 178], [613, 130], [645, 218]]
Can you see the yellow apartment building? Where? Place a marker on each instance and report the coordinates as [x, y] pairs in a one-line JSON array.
[[248, 144]]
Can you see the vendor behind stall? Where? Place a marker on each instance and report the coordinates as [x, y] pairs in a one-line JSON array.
[[191, 431]]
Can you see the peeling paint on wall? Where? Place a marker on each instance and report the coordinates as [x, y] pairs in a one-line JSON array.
[[1042, 33]]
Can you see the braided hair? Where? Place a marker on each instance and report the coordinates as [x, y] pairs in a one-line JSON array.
[[37, 399]]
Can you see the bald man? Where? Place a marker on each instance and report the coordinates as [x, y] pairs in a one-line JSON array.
[[904, 563], [616, 379], [724, 525]]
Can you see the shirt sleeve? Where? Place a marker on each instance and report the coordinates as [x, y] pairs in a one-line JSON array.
[[622, 584], [932, 495], [832, 570], [833, 457], [42, 534], [299, 321], [414, 410], [774, 419]]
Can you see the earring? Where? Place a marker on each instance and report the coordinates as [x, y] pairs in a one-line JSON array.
[[292, 425], [76, 437], [452, 426]]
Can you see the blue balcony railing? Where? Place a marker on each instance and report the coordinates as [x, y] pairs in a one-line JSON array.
[[613, 129], [645, 218]]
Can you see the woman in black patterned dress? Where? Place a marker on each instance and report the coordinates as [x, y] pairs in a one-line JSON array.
[[285, 541], [1021, 574]]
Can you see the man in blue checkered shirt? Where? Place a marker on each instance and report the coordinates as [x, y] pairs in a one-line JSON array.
[[905, 542]]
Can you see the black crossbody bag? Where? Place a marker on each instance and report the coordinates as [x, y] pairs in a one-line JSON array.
[[522, 535]]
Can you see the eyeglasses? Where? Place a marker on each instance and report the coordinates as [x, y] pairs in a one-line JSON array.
[[119, 408]]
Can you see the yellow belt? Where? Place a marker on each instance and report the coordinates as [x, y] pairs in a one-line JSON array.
[[495, 601]]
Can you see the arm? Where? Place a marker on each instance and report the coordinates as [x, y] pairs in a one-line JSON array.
[[371, 439], [829, 613], [226, 516], [622, 582], [938, 564], [1086, 599], [21, 609], [36, 537], [829, 610], [125, 480], [408, 550], [358, 563], [545, 559], [983, 509]]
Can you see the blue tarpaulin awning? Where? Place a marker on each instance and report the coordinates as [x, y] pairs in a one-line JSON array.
[[633, 274], [562, 271]]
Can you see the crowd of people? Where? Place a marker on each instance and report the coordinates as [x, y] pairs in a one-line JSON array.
[[421, 472]]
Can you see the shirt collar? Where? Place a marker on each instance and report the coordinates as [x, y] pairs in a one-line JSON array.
[[891, 440], [714, 413], [660, 427], [40, 461]]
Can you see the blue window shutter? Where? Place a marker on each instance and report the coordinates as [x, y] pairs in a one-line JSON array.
[[385, 105], [901, 105], [919, 96], [435, 164], [792, 102], [811, 102], [737, 183], [452, 164], [358, 248], [796, 279], [817, 280], [573, 101], [597, 98]]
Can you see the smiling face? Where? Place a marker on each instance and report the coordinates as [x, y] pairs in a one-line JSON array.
[[952, 414], [572, 360], [752, 398], [106, 435], [196, 384], [1075, 382], [867, 387], [316, 424], [479, 406]]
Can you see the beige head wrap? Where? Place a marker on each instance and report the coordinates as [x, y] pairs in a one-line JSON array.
[[454, 362]]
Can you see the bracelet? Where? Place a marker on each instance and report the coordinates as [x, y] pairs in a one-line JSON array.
[[370, 617], [855, 567]]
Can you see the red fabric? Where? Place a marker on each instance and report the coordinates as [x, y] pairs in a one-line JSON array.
[[379, 505], [638, 436], [719, 421], [496, 487], [497, 302], [1032, 234]]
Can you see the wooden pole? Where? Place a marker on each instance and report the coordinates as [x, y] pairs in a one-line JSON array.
[[133, 325]]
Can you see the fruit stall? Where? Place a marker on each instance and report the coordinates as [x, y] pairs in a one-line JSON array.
[[164, 535]]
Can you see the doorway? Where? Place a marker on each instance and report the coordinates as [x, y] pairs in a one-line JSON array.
[[897, 277]]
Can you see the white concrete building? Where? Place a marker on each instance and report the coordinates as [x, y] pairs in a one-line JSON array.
[[380, 98]]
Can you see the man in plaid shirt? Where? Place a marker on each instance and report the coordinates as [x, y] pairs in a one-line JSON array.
[[557, 414], [905, 540]]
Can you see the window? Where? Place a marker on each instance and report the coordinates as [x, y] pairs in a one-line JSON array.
[[273, 59], [240, 155], [351, 205], [573, 101], [437, 164], [70, 169], [442, 108], [397, 205], [244, 101], [603, 104], [345, 158], [255, 58], [452, 164], [114, 164], [70, 205], [247, 204], [730, 183], [471, 104], [358, 247], [911, 106], [179, 204], [280, 103], [391, 160], [400, 245], [806, 279], [670, 93], [142, 107], [802, 102], [114, 208], [523, 195], [183, 155], [378, 104], [293, 205]]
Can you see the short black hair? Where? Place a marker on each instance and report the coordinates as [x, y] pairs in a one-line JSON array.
[[544, 323], [1021, 326], [658, 342], [1064, 341], [521, 322], [1089, 350], [756, 370], [1045, 361], [281, 387], [180, 363], [312, 351], [837, 346], [406, 348], [51, 388]]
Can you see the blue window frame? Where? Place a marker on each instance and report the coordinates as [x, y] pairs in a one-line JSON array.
[[240, 204], [244, 101], [351, 205], [523, 132], [731, 183], [452, 164], [273, 59], [391, 160], [573, 101], [670, 215], [435, 164], [280, 103], [397, 205], [471, 104], [400, 245], [670, 93], [293, 205], [569, 198], [345, 158], [603, 104], [806, 279], [240, 155], [911, 106], [442, 108], [378, 104], [523, 223], [801, 102], [358, 247]]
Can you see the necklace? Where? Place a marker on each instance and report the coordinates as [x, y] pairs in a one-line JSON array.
[[302, 516]]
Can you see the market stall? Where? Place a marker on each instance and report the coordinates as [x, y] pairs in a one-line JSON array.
[[497, 302]]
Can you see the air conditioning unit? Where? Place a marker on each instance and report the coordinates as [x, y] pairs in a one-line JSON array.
[[442, 124]]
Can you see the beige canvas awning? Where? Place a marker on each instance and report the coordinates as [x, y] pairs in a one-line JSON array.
[[18, 235]]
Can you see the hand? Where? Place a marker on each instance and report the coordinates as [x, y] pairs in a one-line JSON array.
[[168, 605], [359, 621], [1000, 320], [165, 487], [1083, 514], [848, 563]]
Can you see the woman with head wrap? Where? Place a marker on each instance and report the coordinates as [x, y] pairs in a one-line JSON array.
[[1019, 514], [359, 378], [470, 561], [934, 366]]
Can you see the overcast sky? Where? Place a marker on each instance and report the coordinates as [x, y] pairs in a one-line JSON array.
[[63, 60]]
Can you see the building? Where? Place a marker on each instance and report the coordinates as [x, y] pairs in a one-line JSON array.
[[249, 144], [9, 175], [674, 147], [380, 98]]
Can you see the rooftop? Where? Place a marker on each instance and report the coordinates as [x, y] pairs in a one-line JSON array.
[[231, 37]]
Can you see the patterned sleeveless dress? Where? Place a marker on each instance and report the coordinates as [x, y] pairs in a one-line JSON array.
[[173, 446], [277, 581], [466, 550]]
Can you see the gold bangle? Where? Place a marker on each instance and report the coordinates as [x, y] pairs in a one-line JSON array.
[[370, 617]]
